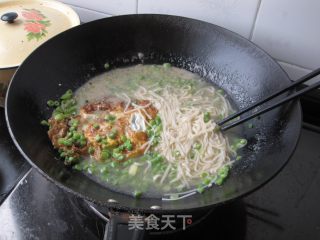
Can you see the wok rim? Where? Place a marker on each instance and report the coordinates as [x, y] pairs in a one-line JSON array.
[[122, 207]]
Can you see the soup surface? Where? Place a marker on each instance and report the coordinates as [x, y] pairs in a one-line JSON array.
[[146, 130]]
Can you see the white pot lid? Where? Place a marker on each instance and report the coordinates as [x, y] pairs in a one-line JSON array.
[[26, 24]]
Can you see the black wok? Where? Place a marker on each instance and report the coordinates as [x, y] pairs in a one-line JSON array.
[[229, 61]]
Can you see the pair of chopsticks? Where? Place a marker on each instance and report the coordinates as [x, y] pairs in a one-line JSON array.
[[286, 99]]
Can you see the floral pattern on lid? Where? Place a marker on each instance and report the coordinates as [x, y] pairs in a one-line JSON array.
[[36, 24]]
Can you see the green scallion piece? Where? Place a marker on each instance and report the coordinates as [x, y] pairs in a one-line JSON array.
[[166, 65], [105, 154], [177, 153], [110, 117], [200, 189], [78, 167], [104, 170], [106, 66], [113, 134], [98, 138], [206, 117], [117, 155], [65, 142], [127, 144], [51, 103], [220, 91], [56, 103], [137, 194], [68, 95], [91, 150], [197, 146], [44, 123], [59, 116]]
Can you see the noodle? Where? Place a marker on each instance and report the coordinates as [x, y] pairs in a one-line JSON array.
[[183, 125]]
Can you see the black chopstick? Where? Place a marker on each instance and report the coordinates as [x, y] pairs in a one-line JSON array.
[[280, 102], [291, 86]]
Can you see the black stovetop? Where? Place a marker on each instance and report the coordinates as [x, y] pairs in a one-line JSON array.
[[285, 208]]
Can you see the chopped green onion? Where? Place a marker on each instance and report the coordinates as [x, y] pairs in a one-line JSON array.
[[200, 189], [56, 103], [91, 169], [117, 150], [69, 134], [76, 136], [106, 66], [128, 144], [63, 154], [113, 134], [59, 116], [105, 154], [68, 95], [98, 138], [96, 126], [222, 174], [44, 123], [70, 160], [206, 117], [109, 118], [113, 164], [197, 146], [74, 122], [206, 181], [50, 103], [65, 142], [78, 167], [137, 194], [133, 169], [157, 120], [239, 144], [117, 155], [177, 153], [219, 181], [166, 65], [243, 141], [104, 170], [204, 175], [91, 150], [217, 128], [82, 142]]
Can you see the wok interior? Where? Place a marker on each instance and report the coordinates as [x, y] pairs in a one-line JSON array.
[[230, 62]]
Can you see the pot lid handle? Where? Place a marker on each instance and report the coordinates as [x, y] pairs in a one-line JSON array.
[[9, 17]]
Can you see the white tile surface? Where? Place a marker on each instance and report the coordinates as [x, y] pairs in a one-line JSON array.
[[112, 7], [289, 30], [88, 15], [236, 15], [296, 72]]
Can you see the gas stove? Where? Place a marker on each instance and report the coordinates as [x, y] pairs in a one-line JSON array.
[[285, 208]]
